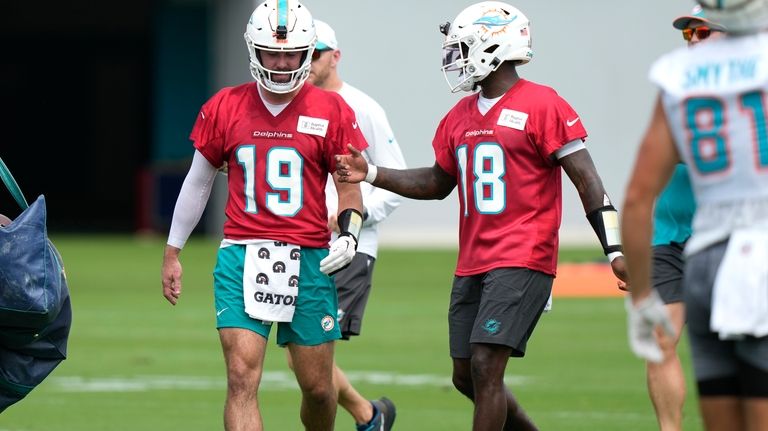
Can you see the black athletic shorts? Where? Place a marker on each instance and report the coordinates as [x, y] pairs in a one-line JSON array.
[[667, 278], [353, 285], [501, 306], [736, 367]]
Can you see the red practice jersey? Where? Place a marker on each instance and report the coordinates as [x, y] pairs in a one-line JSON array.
[[508, 178], [278, 166]]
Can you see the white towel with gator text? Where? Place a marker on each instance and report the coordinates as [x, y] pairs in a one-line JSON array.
[[271, 280]]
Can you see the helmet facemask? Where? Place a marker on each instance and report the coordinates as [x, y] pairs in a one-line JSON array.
[[456, 59], [265, 76]]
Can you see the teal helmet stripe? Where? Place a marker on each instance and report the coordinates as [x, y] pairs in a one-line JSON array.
[[282, 12]]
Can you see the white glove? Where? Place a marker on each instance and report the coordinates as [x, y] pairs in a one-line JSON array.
[[642, 319], [340, 255]]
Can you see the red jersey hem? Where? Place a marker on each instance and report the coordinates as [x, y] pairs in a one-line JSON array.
[[497, 265]]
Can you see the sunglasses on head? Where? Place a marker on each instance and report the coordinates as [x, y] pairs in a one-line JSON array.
[[700, 32], [317, 53]]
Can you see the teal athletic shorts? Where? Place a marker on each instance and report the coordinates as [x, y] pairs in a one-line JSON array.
[[314, 321]]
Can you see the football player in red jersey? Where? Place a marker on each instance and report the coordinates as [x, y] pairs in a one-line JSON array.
[[504, 148], [278, 137]]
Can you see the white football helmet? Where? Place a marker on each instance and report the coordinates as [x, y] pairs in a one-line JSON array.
[[280, 26], [482, 37], [738, 16]]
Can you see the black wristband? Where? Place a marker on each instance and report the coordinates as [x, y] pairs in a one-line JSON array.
[[350, 221], [605, 222]]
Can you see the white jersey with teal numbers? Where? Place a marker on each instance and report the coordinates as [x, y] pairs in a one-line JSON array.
[[715, 96]]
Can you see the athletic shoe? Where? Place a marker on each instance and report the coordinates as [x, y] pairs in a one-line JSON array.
[[384, 413]]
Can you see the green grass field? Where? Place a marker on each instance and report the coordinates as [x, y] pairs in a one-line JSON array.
[[136, 363]]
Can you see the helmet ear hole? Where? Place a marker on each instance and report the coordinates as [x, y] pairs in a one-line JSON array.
[[490, 50]]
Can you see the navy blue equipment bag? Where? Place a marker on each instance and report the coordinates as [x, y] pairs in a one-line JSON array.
[[35, 310]]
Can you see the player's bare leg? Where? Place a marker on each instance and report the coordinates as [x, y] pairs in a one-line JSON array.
[[756, 411], [492, 403], [313, 366], [666, 381], [517, 419], [244, 358], [360, 408], [509, 413], [722, 414], [734, 413]]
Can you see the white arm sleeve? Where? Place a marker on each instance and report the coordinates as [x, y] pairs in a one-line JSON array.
[[192, 198]]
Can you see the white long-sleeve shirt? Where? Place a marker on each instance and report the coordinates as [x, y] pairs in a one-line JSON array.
[[383, 150]]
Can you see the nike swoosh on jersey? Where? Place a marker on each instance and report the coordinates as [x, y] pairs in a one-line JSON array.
[[218, 313], [571, 122]]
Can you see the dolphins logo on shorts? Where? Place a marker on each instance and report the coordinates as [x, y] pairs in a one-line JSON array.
[[491, 326], [327, 323]]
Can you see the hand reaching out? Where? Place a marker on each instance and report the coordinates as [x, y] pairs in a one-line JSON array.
[[619, 267], [351, 168], [623, 286]]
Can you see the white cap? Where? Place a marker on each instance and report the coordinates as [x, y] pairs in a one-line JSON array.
[[326, 37]]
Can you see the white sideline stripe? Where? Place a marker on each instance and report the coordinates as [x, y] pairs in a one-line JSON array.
[[274, 380], [599, 415]]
